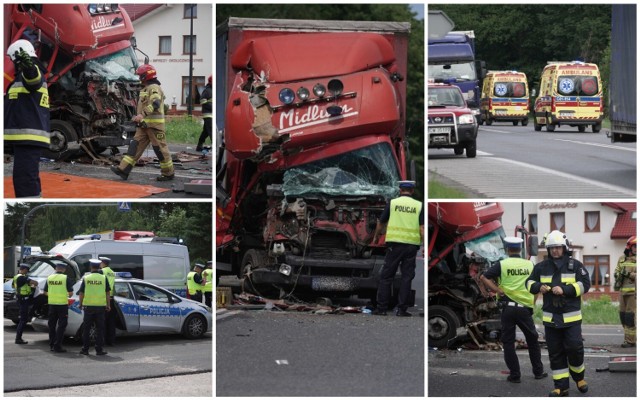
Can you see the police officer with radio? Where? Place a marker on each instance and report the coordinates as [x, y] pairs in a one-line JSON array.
[[58, 289], [207, 278], [24, 296], [517, 307], [194, 283], [110, 318], [562, 280], [403, 219], [94, 300]]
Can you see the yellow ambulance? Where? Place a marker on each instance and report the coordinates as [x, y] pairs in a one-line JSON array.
[[570, 94], [505, 97]]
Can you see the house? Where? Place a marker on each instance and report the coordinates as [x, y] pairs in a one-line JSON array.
[[598, 232], [162, 31]]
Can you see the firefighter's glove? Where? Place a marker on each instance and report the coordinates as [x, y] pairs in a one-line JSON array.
[[24, 58], [557, 290]]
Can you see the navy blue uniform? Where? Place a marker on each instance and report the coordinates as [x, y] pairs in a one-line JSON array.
[[93, 314], [24, 302], [58, 319]]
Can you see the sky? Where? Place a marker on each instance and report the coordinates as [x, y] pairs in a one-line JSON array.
[[419, 9]]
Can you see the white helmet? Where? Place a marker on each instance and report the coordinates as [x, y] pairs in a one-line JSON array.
[[21, 44], [555, 239]]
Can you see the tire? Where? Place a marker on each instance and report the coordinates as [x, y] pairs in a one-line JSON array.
[[525, 122], [471, 149], [489, 121], [515, 123], [536, 126], [93, 334], [458, 150], [582, 128], [550, 127], [62, 132], [443, 323], [16, 321], [252, 259], [596, 127], [194, 327]]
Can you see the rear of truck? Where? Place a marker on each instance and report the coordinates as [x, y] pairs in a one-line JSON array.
[[313, 148]]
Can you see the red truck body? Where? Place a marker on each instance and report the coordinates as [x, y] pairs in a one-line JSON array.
[[314, 145], [90, 69]]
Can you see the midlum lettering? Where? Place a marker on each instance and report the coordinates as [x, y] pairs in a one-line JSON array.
[[101, 22], [295, 117], [406, 209]]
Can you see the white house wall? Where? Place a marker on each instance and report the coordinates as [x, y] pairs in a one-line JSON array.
[[169, 21]]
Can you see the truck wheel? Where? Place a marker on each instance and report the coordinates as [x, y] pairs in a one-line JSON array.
[[515, 123], [62, 133], [489, 121], [252, 259], [596, 127], [471, 149], [536, 126], [458, 150], [550, 127], [16, 321], [194, 327], [582, 128], [443, 323], [525, 122]]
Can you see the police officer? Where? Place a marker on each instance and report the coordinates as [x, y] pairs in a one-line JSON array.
[[517, 307], [403, 219], [110, 318], [58, 289], [151, 128], [207, 278], [562, 281], [207, 115], [24, 296], [625, 274], [26, 118], [94, 299], [194, 283]]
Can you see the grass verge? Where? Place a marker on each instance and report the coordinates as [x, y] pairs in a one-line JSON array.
[[439, 191], [183, 129], [594, 312]]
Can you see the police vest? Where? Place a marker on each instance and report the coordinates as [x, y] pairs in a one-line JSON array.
[[208, 275], [628, 285], [192, 285], [24, 290], [404, 221], [95, 289], [111, 277], [152, 117], [26, 112], [57, 289], [514, 272]]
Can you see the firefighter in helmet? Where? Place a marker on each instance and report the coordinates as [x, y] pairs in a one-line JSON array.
[[562, 281], [151, 129], [625, 277], [207, 115]]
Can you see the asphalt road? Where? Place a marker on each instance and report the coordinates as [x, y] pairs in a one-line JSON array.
[[479, 373], [271, 353], [185, 172], [517, 162], [33, 366]]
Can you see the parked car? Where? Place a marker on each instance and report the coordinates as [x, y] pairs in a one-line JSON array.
[[143, 309]]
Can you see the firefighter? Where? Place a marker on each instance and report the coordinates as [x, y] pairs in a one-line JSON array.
[[562, 280], [26, 118], [207, 279], [94, 301], [194, 283], [58, 289], [207, 115], [151, 129], [517, 307], [403, 219], [24, 296], [110, 317], [625, 275]]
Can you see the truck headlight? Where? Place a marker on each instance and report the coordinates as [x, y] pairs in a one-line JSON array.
[[470, 95], [303, 93], [319, 90], [466, 119], [287, 96]]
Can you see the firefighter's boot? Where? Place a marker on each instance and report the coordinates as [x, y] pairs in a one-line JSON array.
[[122, 174], [582, 386], [559, 393]]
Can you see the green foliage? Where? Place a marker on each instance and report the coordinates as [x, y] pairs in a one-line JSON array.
[[183, 129], [192, 222], [598, 311], [439, 191]]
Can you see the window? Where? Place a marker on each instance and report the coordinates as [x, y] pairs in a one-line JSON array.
[[126, 263], [188, 41], [165, 45], [83, 263], [148, 293], [197, 86], [533, 223], [189, 10], [122, 290], [598, 268], [557, 221], [592, 221]]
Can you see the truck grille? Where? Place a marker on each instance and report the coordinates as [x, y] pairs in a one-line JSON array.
[[441, 120], [330, 245]]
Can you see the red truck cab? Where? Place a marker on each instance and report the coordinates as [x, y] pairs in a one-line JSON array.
[[452, 124]]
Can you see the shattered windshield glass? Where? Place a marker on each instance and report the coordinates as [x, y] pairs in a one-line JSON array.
[[489, 246], [368, 171], [120, 65]]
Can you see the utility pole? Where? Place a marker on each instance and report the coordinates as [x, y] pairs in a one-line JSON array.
[[189, 94]]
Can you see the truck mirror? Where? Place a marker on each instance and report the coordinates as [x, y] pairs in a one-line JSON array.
[[134, 42], [533, 245], [533, 92]]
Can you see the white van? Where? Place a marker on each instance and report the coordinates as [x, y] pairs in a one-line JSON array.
[[163, 264]]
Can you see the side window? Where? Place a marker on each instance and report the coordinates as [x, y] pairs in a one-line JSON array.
[[122, 290], [158, 269], [83, 263], [126, 263], [147, 293]]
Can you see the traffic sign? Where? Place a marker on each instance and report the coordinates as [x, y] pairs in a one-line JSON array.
[[439, 24], [124, 206]]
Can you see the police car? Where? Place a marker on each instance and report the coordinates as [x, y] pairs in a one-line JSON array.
[[142, 308]]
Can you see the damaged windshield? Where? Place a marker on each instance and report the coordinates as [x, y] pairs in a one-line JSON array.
[[120, 65], [489, 246], [368, 171]]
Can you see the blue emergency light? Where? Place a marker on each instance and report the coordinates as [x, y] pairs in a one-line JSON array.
[[124, 275]]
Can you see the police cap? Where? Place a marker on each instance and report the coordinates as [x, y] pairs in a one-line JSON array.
[[513, 241], [23, 266], [407, 184], [105, 260], [95, 262], [198, 265]]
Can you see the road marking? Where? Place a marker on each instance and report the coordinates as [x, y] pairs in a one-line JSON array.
[[607, 146], [483, 153], [221, 314], [497, 131]]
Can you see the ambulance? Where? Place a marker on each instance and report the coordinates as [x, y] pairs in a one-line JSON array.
[[505, 97], [570, 94]]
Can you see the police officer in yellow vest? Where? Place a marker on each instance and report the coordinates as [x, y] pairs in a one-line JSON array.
[[110, 318], [207, 278], [24, 296], [403, 219], [194, 283], [517, 307], [625, 276], [562, 280], [94, 300], [58, 289], [151, 130]]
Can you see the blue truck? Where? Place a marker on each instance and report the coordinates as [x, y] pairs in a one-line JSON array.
[[452, 60]]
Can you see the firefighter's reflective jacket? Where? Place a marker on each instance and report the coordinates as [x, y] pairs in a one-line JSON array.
[[151, 106]]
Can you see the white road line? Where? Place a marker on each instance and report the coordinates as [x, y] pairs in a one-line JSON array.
[[221, 314], [496, 130], [608, 146]]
